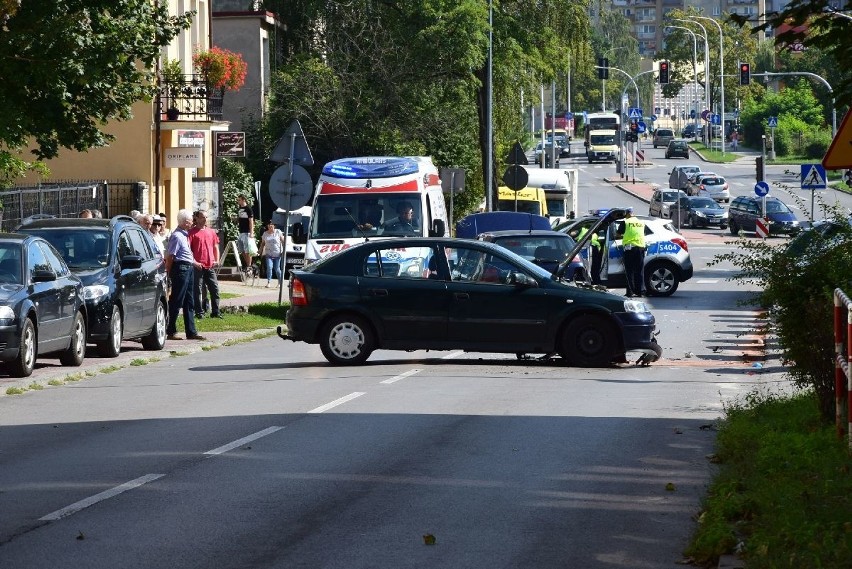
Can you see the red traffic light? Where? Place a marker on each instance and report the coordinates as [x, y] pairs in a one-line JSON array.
[[745, 73], [664, 72]]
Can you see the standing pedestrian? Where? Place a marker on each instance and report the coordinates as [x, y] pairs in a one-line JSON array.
[[272, 248], [204, 243], [245, 221], [633, 242], [156, 223], [735, 137], [180, 266]]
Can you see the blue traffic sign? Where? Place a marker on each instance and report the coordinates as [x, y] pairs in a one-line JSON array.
[[641, 127], [773, 122], [569, 116], [715, 118], [813, 177], [761, 189], [634, 113], [653, 117]]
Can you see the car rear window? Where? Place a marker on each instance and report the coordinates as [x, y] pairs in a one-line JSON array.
[[713, 181], [664, 132]]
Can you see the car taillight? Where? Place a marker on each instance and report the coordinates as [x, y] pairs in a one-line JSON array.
[[297, 293], [725, 187], [701, 186], [681, 242]]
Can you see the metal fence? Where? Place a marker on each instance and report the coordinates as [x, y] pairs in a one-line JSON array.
[[842, 361], [68, 198]]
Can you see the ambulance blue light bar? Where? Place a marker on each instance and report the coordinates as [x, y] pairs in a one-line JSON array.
[[371, 167]]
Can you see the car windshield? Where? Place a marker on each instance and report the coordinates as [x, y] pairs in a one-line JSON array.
[[537, 247], [777, 207], [10, 263], [603, 139], [703, 203], [354, 215], [670, 196], [83, 248]]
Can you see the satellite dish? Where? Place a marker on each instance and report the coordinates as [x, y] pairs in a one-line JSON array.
[[290, 187]]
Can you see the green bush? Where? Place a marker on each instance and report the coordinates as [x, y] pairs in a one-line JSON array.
[[817, 144]]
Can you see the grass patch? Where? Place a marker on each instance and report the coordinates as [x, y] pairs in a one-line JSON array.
[[228, 295], [259, 316], [783, 488], [110, 369], [139, 362], [75, 376], [177, 353], [35, 386], [713, 155], [208, 347], [55, 382], [256, 336], [16, 390]]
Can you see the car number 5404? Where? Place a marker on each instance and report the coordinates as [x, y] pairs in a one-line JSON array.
[[668, 247]]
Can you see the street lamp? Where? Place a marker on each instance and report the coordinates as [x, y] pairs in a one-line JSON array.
[[694, 70], [706, 71], [721, 71]]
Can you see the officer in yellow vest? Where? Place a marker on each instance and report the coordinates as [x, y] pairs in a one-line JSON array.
[[633, 242], [596, 254]]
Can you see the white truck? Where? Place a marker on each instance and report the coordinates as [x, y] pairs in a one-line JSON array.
[[357, 199], [560, 191], [295, 254]]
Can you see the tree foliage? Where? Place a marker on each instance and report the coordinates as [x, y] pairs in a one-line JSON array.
[[73, 65], [796, 107]]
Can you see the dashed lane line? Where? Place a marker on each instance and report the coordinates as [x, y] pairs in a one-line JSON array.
[[234, 444], [336, 402], [396, 378], [105, 495]]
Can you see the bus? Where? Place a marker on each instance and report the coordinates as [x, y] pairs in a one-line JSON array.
[[601, 121]]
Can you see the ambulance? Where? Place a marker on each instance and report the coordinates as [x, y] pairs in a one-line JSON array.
[[374, 197]]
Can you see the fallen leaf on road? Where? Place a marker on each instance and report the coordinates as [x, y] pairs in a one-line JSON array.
[[429, 539]]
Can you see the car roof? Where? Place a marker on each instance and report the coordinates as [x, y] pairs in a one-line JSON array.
[[16, 237], [67, 222], [525, 233]]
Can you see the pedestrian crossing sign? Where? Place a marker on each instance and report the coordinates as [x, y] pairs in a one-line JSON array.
[[813, 177], [635, 113]]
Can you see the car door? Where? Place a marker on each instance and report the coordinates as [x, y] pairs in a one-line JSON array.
[[68, 289], [147, 280], [487, 312], [46, 298], [129, 283], [396, 288]]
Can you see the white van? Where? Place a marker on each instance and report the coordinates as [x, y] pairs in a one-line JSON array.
[[295, 255], [560, 191], [357, 199]]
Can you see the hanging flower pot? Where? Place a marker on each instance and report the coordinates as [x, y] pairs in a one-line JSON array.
[[223, 69]]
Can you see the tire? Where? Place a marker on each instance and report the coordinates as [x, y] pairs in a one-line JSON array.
[[732, 227], [347, 339], [112, 346], [661, 279], [76, 352], [589, 341], [156, 338], [723, 227], [688, 221], [22, 366]]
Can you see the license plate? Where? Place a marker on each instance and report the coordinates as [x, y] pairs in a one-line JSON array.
[[296, 260]]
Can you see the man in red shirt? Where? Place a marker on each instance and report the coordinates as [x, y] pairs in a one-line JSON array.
[[204, 243]]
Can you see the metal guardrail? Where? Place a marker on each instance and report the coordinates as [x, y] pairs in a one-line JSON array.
[[842, 360]]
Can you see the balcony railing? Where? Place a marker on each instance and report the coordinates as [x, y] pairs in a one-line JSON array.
[[189, 97]]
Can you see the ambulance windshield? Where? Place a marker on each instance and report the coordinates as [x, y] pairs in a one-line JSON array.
[[358, 215]]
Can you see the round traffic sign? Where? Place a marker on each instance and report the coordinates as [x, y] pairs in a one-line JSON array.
[[705, 114], [642, 127], [761, 189], [516, 177], [290, 192], [653, 117]]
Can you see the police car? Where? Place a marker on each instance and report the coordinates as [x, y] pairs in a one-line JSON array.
[[667, 261]]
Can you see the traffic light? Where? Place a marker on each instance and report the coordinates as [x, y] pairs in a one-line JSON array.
[[603, 68], [664, 72], [745, 73]]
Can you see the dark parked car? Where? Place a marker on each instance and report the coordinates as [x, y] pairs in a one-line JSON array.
[[41, 305], [688, 131], [123, 274], [745, 210], [547, 249], [451, 294], [701, 212], [677, 148]]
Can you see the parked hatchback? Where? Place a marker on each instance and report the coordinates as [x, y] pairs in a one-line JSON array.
[[714, 187], [662, 136], [41, 305], [745, 211], [699, 211], [123, 276], [677, 148], [663, 201]]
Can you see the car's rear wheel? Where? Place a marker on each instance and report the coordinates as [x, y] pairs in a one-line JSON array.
[[661, 279], [346, 339], [156, 339], [112, 346], [23, 365], [733, 227], [76, 352], [589, 341]]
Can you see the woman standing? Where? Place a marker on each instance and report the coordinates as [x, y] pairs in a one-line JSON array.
[[272, 248]]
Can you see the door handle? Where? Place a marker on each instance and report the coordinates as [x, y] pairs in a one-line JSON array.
[[379, 291], [461, 296]]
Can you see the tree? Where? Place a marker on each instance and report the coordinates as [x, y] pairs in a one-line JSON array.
[[76, 64]]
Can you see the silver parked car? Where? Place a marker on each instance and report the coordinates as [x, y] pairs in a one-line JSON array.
[[663, 201], [712, 186]]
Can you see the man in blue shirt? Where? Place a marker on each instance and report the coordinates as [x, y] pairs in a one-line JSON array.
[[180, 266]]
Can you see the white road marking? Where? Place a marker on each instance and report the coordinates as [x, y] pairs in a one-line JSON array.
[[453, 355], [91, 500], [706, 281], [401, 376], [337, 402], [232, 445]]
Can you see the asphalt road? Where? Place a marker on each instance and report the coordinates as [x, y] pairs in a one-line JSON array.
[[262, 455]]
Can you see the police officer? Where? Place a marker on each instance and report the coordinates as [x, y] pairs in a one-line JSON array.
[[633, 242]]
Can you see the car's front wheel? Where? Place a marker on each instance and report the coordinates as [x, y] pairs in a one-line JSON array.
[[589, 341], [347, 339], [76, 352], [112, 346], [23, 365], [661, 279], [733, 227], [156, 339]]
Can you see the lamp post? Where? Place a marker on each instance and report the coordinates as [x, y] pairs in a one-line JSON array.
[[706, 72], [489, 162], [694, 70], [721, 71]]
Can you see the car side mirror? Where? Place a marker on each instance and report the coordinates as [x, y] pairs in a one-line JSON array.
[[438, 228], [131, 262], [43, 276], [521, 280]]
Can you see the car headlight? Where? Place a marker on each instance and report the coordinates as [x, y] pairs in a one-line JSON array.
[[725, 215], [7, 316], [636, 306], [95, 292], [700, 214]]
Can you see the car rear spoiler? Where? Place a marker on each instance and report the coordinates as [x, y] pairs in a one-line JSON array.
[[605, 220]]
